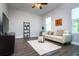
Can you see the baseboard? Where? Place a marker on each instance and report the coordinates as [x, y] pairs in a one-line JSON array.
[[75, 43], [18, 36], [33, 37], [30, 38], [22, 37]]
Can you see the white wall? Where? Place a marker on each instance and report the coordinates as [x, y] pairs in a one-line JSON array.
[[64, 12], [3, 8], [16, 19], [61, 12]]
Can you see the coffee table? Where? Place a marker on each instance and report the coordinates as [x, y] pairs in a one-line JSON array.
[[41, 39]]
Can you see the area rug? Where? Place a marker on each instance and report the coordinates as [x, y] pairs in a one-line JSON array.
[[43, 48]]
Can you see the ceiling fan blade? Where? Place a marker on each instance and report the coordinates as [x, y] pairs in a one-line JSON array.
[[41, 7], [44, 3], [33, 6]]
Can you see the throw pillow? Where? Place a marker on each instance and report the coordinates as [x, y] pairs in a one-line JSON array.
[[49, 33], [52, 33]]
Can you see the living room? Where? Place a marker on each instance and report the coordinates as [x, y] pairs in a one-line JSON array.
[[52, 17]]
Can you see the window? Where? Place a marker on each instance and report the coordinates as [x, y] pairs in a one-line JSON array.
[[75, 20], [48, 24]]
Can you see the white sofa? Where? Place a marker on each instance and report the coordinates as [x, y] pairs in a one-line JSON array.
[[65, 38]]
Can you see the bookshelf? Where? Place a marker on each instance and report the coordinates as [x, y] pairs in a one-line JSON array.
[[26, 30]]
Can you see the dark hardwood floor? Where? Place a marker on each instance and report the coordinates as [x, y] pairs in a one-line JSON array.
[[22, 48]]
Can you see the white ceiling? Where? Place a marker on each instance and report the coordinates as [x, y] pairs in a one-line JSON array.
[[28, 7]]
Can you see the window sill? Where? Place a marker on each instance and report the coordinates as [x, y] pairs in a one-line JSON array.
[[76, 33]]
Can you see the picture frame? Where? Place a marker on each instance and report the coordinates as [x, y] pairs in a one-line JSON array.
[[58, 22]]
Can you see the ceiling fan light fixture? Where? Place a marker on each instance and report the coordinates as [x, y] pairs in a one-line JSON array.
[[37, 5]]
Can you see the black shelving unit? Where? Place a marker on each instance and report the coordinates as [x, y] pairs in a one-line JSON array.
[[26, 30]]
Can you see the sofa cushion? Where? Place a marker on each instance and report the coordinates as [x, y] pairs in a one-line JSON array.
[[66, 32], [53, 37], [50, 33], [59, 32]]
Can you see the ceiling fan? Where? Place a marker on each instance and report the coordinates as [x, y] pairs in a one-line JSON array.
[[39, 5]]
